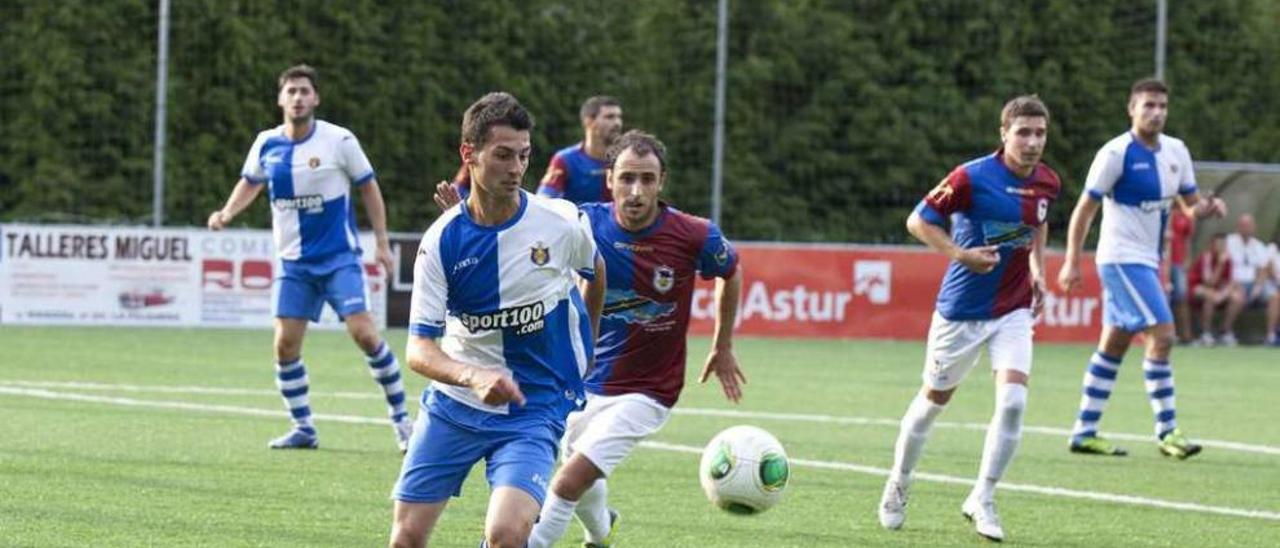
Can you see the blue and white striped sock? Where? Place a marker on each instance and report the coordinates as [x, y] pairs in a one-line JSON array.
[[386, 370], [291, 379], [1098, 382], [1159, 381]]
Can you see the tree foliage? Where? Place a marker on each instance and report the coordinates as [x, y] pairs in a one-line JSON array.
[[840, 115]]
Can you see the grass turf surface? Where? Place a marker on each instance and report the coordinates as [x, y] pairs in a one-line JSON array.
[[117, 473]]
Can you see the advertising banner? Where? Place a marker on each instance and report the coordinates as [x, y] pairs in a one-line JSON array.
[[830, 291], [85, 275]]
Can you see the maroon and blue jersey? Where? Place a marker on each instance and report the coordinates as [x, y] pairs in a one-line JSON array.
[[575, 176], [987, 204], [641, 347]]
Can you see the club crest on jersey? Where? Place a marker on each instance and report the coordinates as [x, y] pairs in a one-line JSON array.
[[664, 278], [722, 256], [314, 162], [941, 192], [539, 254]]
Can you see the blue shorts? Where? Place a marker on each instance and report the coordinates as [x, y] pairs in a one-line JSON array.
[[442, 452], [303, 291], [1178, 283], [1132, 297]]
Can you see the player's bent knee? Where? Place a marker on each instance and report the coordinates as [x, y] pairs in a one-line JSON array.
[[939, 397], [1161, 341], [363, 331], [508, 535], [403, 537], [575, 477], [288, 350]]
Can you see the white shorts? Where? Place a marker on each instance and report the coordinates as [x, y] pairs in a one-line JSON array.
[[954, 347], [609, 427]]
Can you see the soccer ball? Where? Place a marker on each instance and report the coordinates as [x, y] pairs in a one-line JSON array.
[[744, 470]]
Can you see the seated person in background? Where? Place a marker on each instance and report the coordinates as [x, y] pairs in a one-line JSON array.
[[1273, 304], [1250, 267], [1210, 283]]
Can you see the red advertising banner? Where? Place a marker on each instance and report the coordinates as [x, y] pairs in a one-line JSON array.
[[888, 292]]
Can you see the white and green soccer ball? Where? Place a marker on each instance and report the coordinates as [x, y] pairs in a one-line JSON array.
[[744, 470]]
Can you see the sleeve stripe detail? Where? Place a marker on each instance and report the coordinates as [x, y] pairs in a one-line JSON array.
[[425, 330], [363, 178], [931, 215]]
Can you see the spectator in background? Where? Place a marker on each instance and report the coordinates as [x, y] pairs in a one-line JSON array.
[[1273, 304], [1181, 227], [1250, 276], [1210, 283]]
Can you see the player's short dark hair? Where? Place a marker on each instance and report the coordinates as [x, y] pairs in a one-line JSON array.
[[299, 71], [498, 108], [1023, 105], [643, 144], [591, 107], [1148, 85], [1219, 236]]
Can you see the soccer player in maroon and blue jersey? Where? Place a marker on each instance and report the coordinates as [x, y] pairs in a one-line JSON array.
[[576, 172], [996, 207], [653, 253]]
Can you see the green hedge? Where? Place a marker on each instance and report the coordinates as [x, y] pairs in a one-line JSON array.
[[840, 115]]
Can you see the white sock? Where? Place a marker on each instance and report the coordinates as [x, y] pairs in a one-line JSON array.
[[593, 510], [1003, 435], [916, 424], [552, 522]]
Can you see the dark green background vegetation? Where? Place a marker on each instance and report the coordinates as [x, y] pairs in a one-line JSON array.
[[841, 114]]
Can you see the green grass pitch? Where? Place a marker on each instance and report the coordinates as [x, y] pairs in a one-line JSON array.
[[104, 440]]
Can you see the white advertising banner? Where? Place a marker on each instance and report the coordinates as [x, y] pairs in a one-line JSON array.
[[85, 275]]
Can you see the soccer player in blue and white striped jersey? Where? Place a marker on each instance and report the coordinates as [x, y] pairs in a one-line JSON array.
[[309, 167], [499, 324], [1135, 179]]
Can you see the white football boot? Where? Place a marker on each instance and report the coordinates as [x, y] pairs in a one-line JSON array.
[[984, 517], [893, 504]]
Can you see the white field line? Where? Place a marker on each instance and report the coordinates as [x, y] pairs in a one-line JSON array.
[[829, 465], [691, 411], [180, 405], [1022, 487], [982, 426]]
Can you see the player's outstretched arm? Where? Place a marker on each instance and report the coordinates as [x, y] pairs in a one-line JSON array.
[[371, 195], [978, 259], [1069, 275], [1199, 207], [722, 360], [492, 386], [241, 196]]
